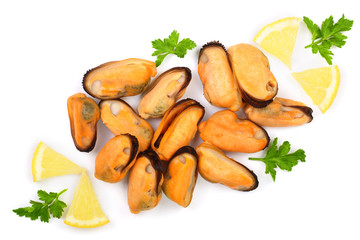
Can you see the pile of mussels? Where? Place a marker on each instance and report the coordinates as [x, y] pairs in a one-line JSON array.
[[163, 160]]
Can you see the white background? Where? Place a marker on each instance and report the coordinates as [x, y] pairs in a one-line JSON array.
[[47, 46]]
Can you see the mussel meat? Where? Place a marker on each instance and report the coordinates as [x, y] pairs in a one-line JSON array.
[[145, 180], [116, 158], [280, 113], [163, 92], [216, 167], [120, 118], [228, 132], [181, 175], [84, 114], [117, 79], [177, 128], [251, 69], [220, 87]]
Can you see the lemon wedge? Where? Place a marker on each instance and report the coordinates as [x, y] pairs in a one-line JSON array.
[[48, 163], [85, 210], [278, 38], [321, 84]]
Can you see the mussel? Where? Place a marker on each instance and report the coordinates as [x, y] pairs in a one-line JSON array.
[[228, 132], [177, 128], [116, 158], [117, 79], [181, 175], [120, 118], [163, 92], [216, 167], [84, 114], [251, 69], [145, 180], [220, 87], [280, 113]]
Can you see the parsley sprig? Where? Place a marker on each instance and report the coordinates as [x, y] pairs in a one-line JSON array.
[[171, 45], [281, 158], [50, 205], [328, 35]]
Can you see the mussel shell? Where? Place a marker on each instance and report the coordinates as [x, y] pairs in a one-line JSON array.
[[181, 175], [120, 118], [163, 92], [280, 113], [251, 69], [230, 133], [83, 114], [220, 87], [145, 180], [117, 79], [177, 128], [116, 158], [216, 167]]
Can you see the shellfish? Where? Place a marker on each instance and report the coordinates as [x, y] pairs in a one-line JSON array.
[[280, 113], [230, 133], [145, 180], [216, 167], [120, 118], [163, 92], [116, 158], [177, 128], [84, 114], [251, 69], [181, 175], [117, 79], [220, 87]]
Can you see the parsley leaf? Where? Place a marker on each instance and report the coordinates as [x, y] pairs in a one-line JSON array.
[[51, 205], [281, 158], [328, 35], [171, 45]]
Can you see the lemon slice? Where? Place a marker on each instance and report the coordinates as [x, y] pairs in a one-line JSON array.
[[321, 84], [48, 163], [85, 210], [278, 38]]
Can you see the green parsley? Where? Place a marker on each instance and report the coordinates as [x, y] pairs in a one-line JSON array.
[[281, 158], [171, 45], [328, 35], [50, 205]]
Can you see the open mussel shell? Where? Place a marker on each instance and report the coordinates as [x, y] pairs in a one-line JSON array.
[[251, 69], [181, 175], [280, 113], [145, 180], [177, 128], [84, 114], [230, 133], [216, 167], [120, 118], [220, 86], [116, 158], [116, 79], [163, 92]]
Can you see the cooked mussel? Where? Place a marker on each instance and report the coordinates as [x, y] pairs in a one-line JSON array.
[[145, 180], [116, 79], [280, 113], [216, 167], [177, 128], [181, 175], [251, 69], [220, 87], [116, 158], [84, 114], [120, 118], [163, 92], [230, 133]]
